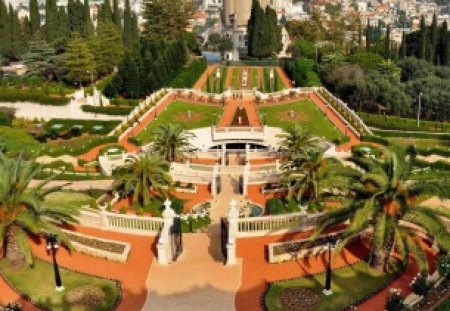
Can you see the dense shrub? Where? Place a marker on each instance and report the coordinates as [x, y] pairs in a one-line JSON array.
[[275, 206], [187, 77], [135, 141], [420, 285], [420, 135], [177, 205], [124, 102], [444, 265], [109, 110], [403, 124], [395, 302], [9, 95]]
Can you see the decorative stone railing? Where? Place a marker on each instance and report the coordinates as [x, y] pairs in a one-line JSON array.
[[238, 133], [267, 225]]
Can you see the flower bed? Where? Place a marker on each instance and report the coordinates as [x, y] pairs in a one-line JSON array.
[[99, 247]]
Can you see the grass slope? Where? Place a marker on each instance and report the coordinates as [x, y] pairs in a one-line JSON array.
[[307, 114], [349, 284], [37, 283], [202, 116]]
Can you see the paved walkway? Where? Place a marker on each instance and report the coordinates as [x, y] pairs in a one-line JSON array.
[[231, 107], [229, 78], [198, 280]]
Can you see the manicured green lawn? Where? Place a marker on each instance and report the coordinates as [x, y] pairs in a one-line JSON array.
[[307, 114], [348, 284], [236, 79], [37, 282], [201, 116], [16, 140], [254, 74], [69, 199]]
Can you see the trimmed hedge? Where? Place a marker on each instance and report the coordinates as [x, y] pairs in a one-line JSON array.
[[412, 135], [124, 102], [109, 110], [429, 151], [13, 96], [403, 124], [438, 165], [375, 139]]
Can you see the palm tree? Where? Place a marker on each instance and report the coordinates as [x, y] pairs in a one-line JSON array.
[[385, 204], [171, 141], [296, 140], [23, 211], [310, 171], [142, 174]]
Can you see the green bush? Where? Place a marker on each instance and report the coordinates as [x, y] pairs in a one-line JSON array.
[[395, 302], [444, 265], [119, 102], [375, 139], [135, 141], [187, 77], [275, 206], [9, 95], [420, 285], [177, 205], [109, 110]]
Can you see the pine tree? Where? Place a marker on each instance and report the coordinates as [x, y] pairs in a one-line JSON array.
[[107, 48], [40, 58], [35, 18], [423, 38], [166, 19], [387, 42], [78, 60], [116, 15], [434, 40], [88, 27]]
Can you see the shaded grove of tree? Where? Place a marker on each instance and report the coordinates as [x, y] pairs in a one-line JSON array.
[[153, 66], [379, 90]]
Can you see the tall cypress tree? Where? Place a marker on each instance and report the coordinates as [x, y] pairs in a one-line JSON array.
[[127, 26], [105, 12], [434, 40], [274, 31], [75, 13], [17, 40], [88, 27], [368, 36], [444, 45], [387, 42], [5, 33], [51, 21], [116, 15], [423, 38], [35, 18], [403, 47]]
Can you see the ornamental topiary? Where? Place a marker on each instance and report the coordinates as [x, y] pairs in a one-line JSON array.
[[420, 285], [395, 302]]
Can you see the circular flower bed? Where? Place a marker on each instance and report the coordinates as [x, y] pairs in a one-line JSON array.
[[86, 296], [299, 299]]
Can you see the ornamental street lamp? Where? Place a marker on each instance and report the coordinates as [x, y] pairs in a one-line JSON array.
[[419, 110], [52, 247], [327, 291]]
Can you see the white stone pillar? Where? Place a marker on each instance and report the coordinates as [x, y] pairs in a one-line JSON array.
[[247, 152], [103, 217], [214, 181], [233, 217], [245, 176], [164, 247], [277, 165]]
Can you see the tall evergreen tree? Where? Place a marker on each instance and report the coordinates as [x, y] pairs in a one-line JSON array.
[[5, 32], [129, 73], [35, 18], [423, 38], [368, 36], [274, 31], [17, 39], [255, 30], [444, 45], [51, 21], [403, 47], [63, 31], [107, 48], [75, 13], [117, 19], [78, 60], [387, 42], [88, 27], [105, 12], [434, 40], [127, 33], [40, 58]]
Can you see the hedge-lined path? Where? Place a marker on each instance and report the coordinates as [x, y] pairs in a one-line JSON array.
[[229, 78], [333, 117], [132, 274], [204, 78], [284, 77], [230, 109]]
